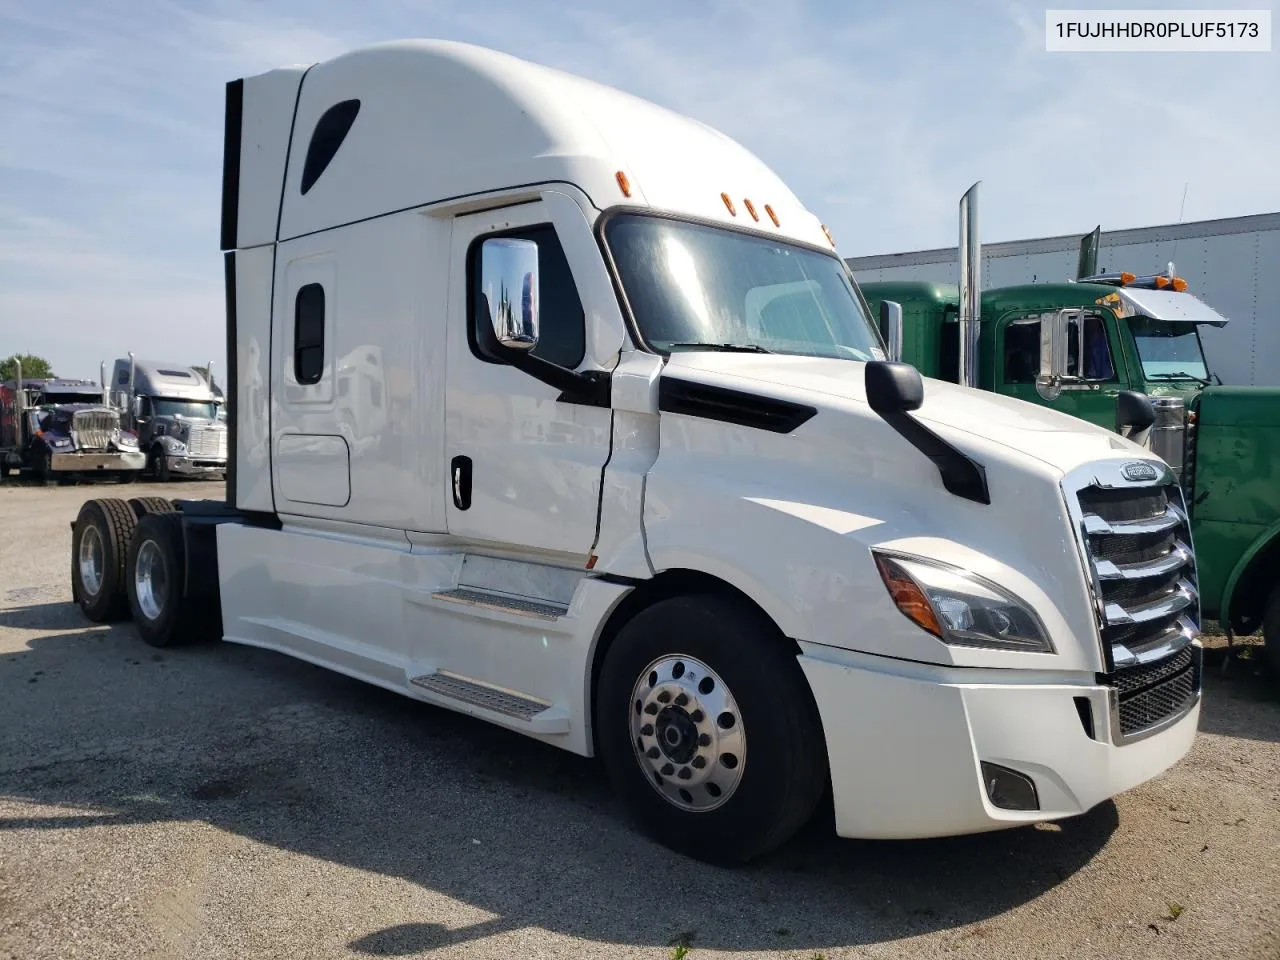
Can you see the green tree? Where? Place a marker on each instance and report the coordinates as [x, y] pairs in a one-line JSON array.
[[33, 367]]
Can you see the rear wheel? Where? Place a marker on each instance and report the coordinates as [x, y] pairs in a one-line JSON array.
[[156, 574], [709, 730], [99, 545], [1271, 630]]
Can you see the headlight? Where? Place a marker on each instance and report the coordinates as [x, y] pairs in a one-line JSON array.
[[173, 446], [960, 608], [127, 440]]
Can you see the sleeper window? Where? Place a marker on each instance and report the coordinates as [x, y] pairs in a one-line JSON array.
[[308, 334], [561, 320]]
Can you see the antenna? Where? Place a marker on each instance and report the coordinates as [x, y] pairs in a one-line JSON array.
[[1181, 210]]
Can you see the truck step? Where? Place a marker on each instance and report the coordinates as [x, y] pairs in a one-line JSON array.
[[519, 606], [536, 716]]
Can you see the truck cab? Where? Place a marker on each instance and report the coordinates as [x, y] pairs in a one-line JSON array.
[[1076, 347], [59, 428], [173, 409], [559, 409]]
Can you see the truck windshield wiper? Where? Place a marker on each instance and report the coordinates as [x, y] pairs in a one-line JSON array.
[[1178, 375], [721, 347]]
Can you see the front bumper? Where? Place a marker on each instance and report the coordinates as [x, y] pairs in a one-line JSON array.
[[110, 460], [195, 466], [905, 740]]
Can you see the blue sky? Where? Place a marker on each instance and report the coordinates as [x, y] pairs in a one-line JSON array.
[[878, 115]]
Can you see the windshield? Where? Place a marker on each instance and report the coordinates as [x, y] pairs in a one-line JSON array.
[[1169, 351], [194, 409], [692, 286]]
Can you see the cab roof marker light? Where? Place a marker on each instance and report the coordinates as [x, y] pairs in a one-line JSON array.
[[1162, 282], [1127, 278], [772, 216], [728, 205], [623, 183], [751, 209], [1179, 284], [830, 239]]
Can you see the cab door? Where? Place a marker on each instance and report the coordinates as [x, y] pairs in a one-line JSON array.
[[524, 465], [1093, 364]]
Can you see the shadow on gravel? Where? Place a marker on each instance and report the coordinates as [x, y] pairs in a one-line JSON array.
[[1241, 696], [310, 762]]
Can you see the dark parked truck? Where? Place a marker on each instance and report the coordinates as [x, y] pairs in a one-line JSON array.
[[57, 429], [1084, 347], [174, 410]]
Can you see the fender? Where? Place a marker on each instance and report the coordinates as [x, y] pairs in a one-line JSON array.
[[1243, 567]]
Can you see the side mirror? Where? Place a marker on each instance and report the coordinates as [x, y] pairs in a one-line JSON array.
[[891, 328], [893, 387], [1134, 416], [509, 284], [1053, 354], [137, 407]]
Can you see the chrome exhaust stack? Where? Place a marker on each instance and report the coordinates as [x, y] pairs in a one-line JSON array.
[[970, 287], [102, 381]]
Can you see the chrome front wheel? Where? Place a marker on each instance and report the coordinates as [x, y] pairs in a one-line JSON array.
[[688, 732]]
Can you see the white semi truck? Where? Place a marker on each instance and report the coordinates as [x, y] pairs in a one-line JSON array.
[[639, 481]]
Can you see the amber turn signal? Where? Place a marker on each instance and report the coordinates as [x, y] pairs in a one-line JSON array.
[[909, 598]]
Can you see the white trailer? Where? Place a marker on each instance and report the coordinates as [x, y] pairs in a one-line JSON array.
[[633, 478], [1227, 263]]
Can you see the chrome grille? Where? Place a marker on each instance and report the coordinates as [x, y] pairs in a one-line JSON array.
[[1135, 539], [94, 429], [209, 442]]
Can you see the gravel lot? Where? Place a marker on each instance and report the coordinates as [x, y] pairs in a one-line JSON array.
[[221, 802]]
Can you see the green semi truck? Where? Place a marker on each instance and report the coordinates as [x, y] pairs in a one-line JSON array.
[[1120, 350]]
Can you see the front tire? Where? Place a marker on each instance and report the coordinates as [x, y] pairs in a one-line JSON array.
[[708, 729], [159, 466], [99, 546]]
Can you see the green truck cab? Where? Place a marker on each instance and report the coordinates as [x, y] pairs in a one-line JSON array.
[[1077, 347]]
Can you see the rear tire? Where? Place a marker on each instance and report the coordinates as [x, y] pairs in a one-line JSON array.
[[738, 783], [99, 547], [1271, 631], [155, 578], [142, 506]]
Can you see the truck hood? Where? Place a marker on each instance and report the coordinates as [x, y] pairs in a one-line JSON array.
[[1060, 441]]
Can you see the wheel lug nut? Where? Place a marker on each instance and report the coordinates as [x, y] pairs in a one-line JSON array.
[[668, 769], [664, 697], [704, 740], [697, 716], [651, 709], [682, 699], [684, 773], [646, 730], [699, 762], [652, 753]]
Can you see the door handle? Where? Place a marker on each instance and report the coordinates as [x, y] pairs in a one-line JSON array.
[[460, 470]]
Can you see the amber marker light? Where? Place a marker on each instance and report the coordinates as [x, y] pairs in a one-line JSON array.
[[728, 205], [751, 209], [1127, 278], [623, 183], [830, 239], [909, 598], [1179, 284], [772, 216], [1162, 282]]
